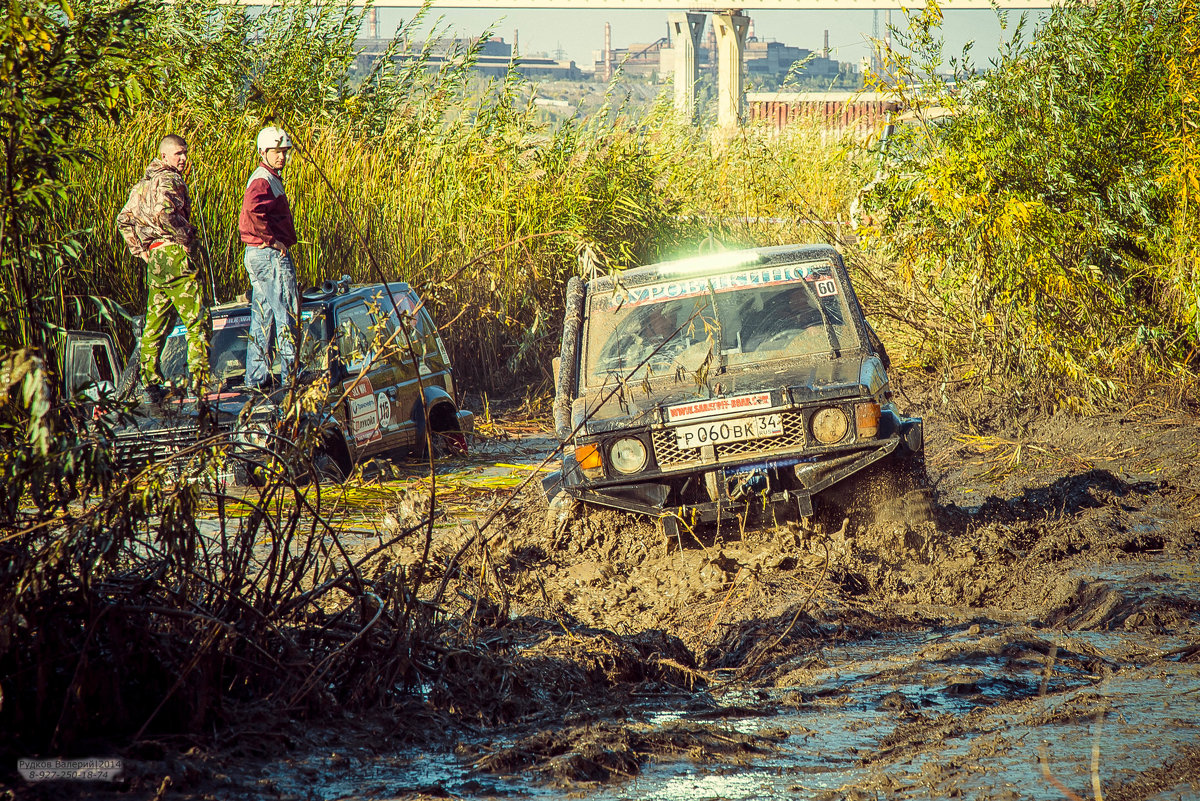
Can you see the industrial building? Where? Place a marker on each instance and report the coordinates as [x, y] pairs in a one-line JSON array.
[[763, 58], [494, 58]]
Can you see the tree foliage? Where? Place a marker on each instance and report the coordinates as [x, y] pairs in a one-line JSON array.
[[60, 65], [1051, 210]]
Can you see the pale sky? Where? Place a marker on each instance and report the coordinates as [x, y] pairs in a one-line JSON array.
[[579, 32]]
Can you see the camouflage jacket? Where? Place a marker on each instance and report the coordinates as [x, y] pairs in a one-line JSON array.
[[158, 210]]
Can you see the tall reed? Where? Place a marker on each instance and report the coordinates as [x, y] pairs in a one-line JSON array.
[[485, 214]]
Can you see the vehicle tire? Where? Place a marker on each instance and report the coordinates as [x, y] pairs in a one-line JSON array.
[[331, 461], [893, 491], [908, 498], [443, 426]]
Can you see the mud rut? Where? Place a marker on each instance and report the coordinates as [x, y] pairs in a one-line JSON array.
[[1037, 639]]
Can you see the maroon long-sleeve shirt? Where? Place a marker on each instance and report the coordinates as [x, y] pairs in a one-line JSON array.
[[266, 217]]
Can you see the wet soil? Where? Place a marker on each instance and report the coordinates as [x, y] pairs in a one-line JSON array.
[[1037, 638]]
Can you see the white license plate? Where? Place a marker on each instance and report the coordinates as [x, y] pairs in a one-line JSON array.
[[739, 430]]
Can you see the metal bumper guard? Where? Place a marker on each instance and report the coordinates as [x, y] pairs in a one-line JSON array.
[[816, 476]]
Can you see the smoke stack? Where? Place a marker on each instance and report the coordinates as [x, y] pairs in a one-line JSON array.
[[608, 51], [750, 32], [825, 51], [516, 50], [373, 25]]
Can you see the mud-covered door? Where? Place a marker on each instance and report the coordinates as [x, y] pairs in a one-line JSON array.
[[423, 364], [367, 351]]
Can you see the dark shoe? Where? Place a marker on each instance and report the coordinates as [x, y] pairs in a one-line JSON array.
[[202, 389], [176, 391], [154, 394]]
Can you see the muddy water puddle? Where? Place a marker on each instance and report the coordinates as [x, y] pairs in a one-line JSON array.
[[833, 748], [974, 710], [384, 495], [1099, 682]]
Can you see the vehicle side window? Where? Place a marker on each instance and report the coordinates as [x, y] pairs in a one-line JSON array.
[[357, 333], [428, 333], [313, 346], [90, 369], [91, 365], [422, 333]]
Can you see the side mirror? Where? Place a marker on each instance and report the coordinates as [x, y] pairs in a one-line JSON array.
[[877, 346]]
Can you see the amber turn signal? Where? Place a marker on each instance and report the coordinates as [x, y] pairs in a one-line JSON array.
[[588, 457], [866, 419]]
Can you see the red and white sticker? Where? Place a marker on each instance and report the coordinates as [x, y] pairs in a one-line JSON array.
[[364, 412], [716, 406]]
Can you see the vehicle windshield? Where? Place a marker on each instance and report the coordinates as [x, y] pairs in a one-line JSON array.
[[227, 348], [760, 314]]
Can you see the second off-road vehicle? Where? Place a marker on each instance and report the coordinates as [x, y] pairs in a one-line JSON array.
[[373, 348]]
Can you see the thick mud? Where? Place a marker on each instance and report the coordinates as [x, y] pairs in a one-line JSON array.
[[1036, 639]]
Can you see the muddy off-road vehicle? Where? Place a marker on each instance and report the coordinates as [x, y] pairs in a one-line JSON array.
[[731, 383], [392, 393]]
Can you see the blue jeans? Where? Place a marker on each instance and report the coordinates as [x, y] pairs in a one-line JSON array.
[[274, 306]]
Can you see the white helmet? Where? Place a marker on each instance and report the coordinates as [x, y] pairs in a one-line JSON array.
[[273, 137]]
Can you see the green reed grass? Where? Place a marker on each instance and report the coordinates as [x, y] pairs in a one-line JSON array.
[[512, 198], [435, 177]]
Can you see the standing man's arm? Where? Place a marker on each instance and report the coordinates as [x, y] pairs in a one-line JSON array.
[[127, 225], [255, 203]]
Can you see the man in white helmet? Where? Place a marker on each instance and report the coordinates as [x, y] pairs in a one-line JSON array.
[[268, 231]]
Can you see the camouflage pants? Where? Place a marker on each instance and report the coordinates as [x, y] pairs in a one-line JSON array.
[[171, 281]]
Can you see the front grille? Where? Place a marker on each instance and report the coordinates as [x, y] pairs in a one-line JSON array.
[[669, 454], [136, 451]]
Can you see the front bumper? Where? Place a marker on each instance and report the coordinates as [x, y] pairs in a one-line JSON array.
[[781, 480]]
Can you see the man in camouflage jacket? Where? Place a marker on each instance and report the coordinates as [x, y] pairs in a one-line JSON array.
[[156, 225]]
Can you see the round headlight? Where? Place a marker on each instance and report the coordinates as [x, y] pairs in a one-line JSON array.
[[627, 455], [258, 434], [829, 425]]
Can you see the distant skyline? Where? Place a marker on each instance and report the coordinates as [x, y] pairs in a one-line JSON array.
[[578, 33]]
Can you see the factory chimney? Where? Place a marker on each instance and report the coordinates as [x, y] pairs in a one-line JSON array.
[[608, 51], [825, 51]]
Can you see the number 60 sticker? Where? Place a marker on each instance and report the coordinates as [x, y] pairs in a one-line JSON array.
[[826, 288]]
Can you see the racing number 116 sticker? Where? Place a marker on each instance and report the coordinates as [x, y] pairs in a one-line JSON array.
[[826, 288]]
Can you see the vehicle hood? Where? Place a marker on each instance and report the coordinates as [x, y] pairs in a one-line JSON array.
[[643, 403]]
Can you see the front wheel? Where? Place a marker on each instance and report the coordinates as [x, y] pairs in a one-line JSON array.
[[894, 490], [331, 461], [444, 436]]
